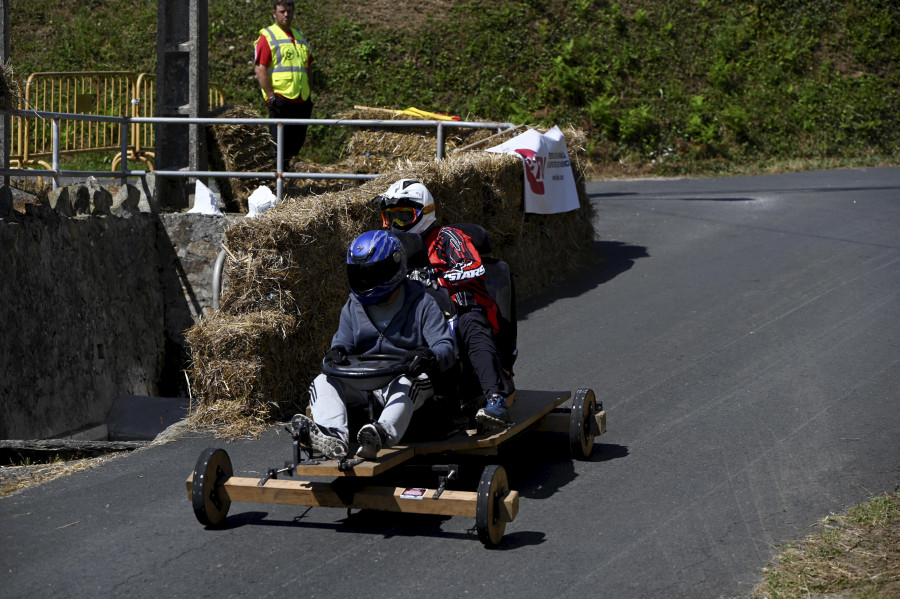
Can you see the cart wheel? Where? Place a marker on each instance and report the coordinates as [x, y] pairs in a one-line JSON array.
[[581, 436], [212, 469], [492, 489]]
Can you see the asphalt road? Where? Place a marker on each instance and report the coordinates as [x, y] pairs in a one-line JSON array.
[[743, 336]]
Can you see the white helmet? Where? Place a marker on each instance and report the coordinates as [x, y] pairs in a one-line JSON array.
[[407, 206]]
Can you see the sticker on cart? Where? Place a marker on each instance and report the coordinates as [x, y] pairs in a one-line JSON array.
[[414, 493]]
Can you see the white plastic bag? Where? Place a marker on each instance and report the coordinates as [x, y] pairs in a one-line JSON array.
[[260, 200], [205, 201]]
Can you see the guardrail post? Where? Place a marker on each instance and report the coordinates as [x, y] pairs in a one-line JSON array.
[[279, 156], [5, 122], [54, 128], [440, 141], [123, 137]]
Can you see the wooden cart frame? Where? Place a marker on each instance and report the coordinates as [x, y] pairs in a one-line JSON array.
[[212, 486]]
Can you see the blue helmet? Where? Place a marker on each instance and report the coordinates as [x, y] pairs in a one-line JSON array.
[[376, 266]]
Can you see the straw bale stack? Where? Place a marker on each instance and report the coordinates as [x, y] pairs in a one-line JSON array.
[[246, 365], [377, 149], [285, 279], [234, 147]]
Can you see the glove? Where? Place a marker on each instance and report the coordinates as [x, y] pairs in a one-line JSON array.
[[418, 360], [465, 299], [426, 276], [337, 355], [273, 101]]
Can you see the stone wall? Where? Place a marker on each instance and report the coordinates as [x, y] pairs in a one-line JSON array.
[[96, 291]]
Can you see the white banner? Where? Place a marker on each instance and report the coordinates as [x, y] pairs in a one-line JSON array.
[[549, 180]]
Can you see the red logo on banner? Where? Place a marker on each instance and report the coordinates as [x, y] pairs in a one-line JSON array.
[[534, 169]]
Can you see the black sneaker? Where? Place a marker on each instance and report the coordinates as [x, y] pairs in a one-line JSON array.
[[326, 441], [371, 438], [495, 414]]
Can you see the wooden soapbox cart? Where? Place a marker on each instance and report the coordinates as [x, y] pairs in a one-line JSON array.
[[212, 486]]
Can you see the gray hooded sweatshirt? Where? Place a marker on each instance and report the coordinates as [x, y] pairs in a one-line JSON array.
[[418, 323]]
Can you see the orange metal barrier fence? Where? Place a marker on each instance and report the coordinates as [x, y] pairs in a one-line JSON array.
[[105, 93]]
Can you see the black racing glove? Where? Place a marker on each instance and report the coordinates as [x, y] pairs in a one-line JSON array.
[[337, 355], [418, 360], [465, 299], [426, 276]]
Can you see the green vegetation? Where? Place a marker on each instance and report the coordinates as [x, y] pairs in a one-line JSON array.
[[675, 86], [854, 555]]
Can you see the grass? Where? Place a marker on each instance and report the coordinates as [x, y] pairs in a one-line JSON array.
[[853, 555], [715, 87]]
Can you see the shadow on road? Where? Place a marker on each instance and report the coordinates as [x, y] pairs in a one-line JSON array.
[[608, 260], [539, 464], [376, 522]]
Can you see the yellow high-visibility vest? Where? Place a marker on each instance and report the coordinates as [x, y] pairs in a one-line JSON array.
[[290, 63]]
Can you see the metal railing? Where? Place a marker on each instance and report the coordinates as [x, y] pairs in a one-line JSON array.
[[104, 93], [125, 124]]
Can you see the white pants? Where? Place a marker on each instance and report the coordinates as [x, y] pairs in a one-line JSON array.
[[330, 396]]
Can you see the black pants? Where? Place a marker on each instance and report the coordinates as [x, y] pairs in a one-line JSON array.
[[294, 135], [479, 351]]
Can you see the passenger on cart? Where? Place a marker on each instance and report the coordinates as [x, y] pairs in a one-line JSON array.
[[455, 264], [386, 313]]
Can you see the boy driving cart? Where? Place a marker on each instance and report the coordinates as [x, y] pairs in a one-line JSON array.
[[385, 314]]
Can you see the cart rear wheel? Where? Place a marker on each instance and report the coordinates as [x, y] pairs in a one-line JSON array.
[[212, 470], [492, 489], [581, 436]]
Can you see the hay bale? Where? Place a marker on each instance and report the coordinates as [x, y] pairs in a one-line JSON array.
[[244, 370], [235, 147], [393, 145], [286, 279], [378, 149]]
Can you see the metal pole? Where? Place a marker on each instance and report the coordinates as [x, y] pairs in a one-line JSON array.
[[279, 155], [123, 137], [54, 128], [5, 121], [56, 117]]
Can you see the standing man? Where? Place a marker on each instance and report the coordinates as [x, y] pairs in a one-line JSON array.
[[282, 68]]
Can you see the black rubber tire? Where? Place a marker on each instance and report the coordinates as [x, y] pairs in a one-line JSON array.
[[213, 469], [492, 488], [581, 436]]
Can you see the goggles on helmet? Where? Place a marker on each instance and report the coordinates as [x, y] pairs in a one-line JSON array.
[[399, 216]]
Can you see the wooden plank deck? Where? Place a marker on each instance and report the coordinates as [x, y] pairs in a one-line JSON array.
[[529, 408]]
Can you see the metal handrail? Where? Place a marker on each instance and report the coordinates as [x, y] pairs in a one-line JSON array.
[[125, 123]]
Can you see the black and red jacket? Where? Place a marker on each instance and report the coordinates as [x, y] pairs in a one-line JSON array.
[[458, 265]]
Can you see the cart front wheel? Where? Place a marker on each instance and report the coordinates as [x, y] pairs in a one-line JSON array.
[[581, 435], [212, 470], [493, 489]]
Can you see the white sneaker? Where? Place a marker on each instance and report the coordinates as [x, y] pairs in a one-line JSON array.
[[326, 441], [371, 438]]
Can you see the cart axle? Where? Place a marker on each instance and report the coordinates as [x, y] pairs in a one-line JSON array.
[[389, 499]]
